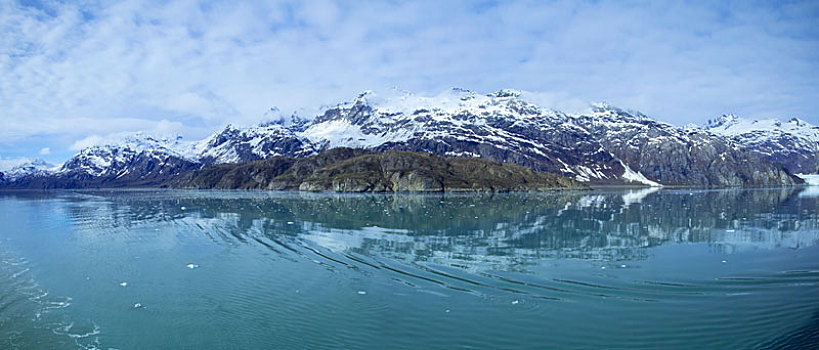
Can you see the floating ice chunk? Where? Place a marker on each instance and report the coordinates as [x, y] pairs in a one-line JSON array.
[[623, 266], [724, 261], [138, 306], [123, 284], [192, 266], [447, 310], [361, 292], [290, 222], [183, 208], [515, 302], [602, 267]]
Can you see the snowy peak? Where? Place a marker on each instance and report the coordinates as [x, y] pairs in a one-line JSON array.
[[141, 142], [606, 111], [32, 166], [373, 119], [794, 144], [725, 121], [232, 144], [116, 157], [138, 142], [767, 129], [401, 105], [731, 125], [798, 122]]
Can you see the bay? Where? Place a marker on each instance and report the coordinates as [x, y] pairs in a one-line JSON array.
[[613, 268]]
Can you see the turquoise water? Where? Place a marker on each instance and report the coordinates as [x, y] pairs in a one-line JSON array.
[[618, 269]]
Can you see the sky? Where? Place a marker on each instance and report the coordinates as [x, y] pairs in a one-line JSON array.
[[77, 71]]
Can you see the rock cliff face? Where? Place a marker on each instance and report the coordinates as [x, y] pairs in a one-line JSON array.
[[676, 156], [356, 170]]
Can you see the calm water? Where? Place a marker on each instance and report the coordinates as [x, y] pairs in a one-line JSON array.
[[255, 270]]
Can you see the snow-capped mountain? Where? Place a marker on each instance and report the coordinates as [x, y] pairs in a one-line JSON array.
[[500, 126], [794, 144], [667, 154], [28, 167], [606, 145], [138, 160], [118, 159]]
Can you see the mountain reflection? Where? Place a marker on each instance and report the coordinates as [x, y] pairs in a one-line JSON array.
[[500, 230]]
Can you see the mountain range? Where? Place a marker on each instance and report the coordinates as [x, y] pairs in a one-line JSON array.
[[606, 145]]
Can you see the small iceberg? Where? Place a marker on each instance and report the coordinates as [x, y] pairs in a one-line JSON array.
[[192, 266], [138, 306], [123, 284]]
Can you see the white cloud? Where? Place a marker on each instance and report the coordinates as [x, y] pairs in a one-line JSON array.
[[45, 151], [9, 163], [96, 140], [160, 129], [188, 67]]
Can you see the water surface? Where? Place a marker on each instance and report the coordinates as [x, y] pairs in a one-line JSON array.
[[618, 269]]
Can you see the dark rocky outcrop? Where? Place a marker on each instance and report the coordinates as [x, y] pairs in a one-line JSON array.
[[356, 170]]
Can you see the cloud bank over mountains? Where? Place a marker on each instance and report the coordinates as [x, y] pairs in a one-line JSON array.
[[79, 71]]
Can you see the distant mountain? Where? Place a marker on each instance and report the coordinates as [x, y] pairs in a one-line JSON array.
[[794, 144], [604, 146], [136, 161], [29, 167]]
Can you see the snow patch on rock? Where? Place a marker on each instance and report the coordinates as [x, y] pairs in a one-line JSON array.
[[810, 179], [635, 176]]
